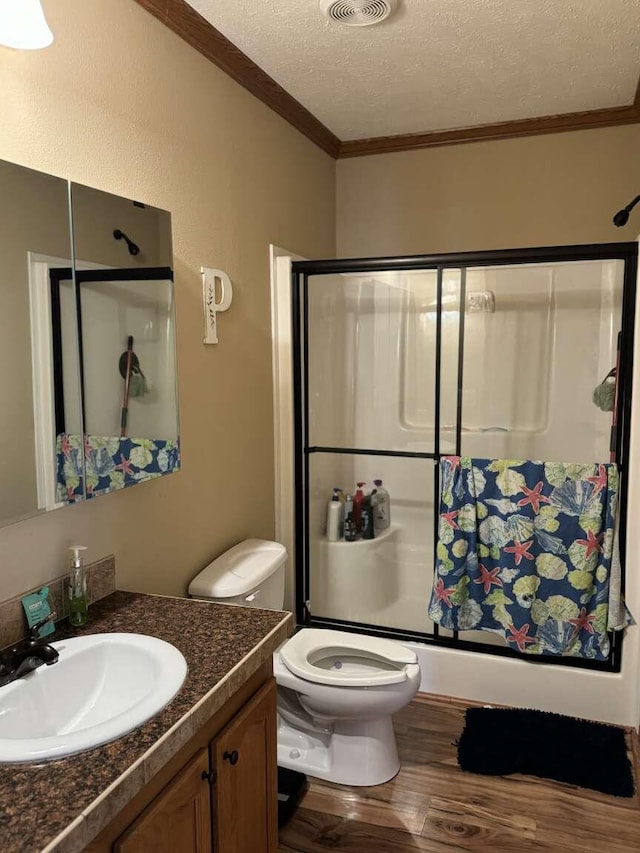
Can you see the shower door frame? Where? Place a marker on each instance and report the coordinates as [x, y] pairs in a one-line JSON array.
[[302, 270]]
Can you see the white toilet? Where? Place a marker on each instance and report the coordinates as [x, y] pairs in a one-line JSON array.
[[336, 690]]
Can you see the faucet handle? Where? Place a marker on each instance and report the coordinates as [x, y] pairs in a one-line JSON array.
[[33, 633]]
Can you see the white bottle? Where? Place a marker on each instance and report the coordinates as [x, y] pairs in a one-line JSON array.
[[334, 517], [382, 511]]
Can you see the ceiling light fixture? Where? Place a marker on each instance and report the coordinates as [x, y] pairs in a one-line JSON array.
[[358, 13], [23, 25]]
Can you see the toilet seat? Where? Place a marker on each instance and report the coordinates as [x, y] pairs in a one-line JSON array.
[[311, 646]]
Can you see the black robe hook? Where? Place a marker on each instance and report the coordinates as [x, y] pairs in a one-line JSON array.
[[133, 248]]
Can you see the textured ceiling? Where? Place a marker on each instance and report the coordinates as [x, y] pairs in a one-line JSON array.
[[441, 64]]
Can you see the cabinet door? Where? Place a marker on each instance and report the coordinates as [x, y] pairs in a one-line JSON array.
[[245, 793], [179, 819]]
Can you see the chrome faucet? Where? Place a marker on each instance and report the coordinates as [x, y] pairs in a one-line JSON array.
[[28, 655]]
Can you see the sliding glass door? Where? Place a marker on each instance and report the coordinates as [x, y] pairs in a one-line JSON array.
[[401, 361]]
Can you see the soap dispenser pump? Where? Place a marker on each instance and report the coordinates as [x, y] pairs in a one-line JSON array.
[[78, 608]]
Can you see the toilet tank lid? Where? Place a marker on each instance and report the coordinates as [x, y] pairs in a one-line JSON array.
[[239, 570]]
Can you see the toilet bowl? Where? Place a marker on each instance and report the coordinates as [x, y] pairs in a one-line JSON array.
[[336, 694], [336, 691]]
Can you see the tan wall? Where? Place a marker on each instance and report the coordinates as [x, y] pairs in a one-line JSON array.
[[538, 191], [120, 103]]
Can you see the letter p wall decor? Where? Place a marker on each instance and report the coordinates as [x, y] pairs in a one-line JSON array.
[[211, 307]]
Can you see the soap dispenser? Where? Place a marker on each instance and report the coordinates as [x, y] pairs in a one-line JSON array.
[[78, 608]]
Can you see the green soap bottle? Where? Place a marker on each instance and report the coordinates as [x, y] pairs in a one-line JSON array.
[[78, 607]]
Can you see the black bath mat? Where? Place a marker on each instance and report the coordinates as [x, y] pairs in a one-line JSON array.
[[500, 741], [291, 787]]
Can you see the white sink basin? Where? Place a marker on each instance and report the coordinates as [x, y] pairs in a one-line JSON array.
[[102, 686]]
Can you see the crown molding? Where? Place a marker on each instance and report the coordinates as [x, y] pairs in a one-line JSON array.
[[179, 17], [609, 117]]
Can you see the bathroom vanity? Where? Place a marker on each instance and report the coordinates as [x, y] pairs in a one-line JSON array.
[[200, 776]]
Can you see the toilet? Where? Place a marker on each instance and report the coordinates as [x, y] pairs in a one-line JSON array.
[[337, 691]]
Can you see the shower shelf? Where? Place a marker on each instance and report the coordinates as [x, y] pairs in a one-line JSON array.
[[382, 536]]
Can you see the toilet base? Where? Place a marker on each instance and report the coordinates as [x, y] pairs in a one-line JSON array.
[[361, 752]]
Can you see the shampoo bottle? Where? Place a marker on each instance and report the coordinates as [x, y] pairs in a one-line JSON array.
[[349, 524], [382, 511], [358, 500], [334, 517], [366, 518], [78, 608]]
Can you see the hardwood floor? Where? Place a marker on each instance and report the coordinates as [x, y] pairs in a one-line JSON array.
[[432, 805]]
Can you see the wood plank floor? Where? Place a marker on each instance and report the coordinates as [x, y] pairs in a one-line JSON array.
[[433, 805]]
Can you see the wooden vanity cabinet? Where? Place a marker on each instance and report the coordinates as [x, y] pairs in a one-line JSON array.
[[179, 818], [218, 795], [245, 790]]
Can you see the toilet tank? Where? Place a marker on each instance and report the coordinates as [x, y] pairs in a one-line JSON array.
[[250, 574]]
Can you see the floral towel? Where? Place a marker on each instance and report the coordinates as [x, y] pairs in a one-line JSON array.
[[111, 463], [525, 551]]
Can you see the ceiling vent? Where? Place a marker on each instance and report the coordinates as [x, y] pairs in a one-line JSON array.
[[358, 13]]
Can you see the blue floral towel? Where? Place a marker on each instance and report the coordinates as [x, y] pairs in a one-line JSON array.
[[525, 551], [111, 463]]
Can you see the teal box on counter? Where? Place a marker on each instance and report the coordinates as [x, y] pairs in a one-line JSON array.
[[36, 606]]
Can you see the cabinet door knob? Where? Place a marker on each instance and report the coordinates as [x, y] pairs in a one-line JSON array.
[[208, 776], [231, 757]]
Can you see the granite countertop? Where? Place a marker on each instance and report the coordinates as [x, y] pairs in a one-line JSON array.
[[62, 805]]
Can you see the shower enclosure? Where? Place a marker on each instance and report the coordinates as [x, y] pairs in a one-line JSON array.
[[400, 361]]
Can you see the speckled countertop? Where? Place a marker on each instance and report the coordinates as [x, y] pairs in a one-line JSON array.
[[62, 805]]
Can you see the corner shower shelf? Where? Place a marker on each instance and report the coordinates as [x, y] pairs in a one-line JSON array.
[[384, 535]]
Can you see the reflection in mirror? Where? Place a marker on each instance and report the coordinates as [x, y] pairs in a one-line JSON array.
[[125, 347], [35, 241]]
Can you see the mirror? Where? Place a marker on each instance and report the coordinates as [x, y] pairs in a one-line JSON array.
[[35, 240], [88, 338], [125, 346]]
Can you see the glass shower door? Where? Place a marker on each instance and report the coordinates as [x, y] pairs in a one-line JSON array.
[[403, 361], [373, 403]]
